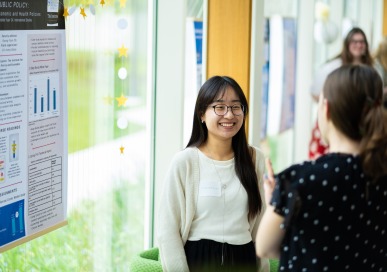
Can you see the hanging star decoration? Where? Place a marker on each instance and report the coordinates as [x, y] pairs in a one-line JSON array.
[[108, 100], [123, 51], [83, 13], [102, 2], [121, 100], [122, 149], [122, 3], [66, 12]]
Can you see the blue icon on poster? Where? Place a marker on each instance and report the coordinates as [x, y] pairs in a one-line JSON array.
[[12, 225]]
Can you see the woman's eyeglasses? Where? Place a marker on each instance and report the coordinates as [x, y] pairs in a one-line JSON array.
[[222, 109], [357, 41]]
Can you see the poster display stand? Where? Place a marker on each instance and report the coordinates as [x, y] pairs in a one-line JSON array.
[[33, 120]]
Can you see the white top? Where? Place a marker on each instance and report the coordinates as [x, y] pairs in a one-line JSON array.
[[219, 187], [177, 208], [322, 74]]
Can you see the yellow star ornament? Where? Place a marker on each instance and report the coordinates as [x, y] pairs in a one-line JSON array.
[[123, 51], [66, 12], [102, 2], [83, 13], [121, 100], [122, 149]]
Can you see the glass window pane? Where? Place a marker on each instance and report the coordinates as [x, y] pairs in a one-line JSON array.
[[107, 97]]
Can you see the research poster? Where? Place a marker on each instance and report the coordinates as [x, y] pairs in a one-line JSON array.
[[33, 120]]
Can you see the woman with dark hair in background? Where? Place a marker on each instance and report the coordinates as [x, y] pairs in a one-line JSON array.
[[355, 50], [331, 214], [212, 195]]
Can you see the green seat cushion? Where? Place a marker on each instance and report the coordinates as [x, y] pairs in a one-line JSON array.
[[146, 261], [274, 265]]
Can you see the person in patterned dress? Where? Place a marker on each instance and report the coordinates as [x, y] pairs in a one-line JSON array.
[[330, 214]]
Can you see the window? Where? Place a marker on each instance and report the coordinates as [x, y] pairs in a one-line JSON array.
[[107, 97]]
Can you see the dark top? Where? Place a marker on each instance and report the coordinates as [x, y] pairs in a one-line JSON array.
[[335, 217]]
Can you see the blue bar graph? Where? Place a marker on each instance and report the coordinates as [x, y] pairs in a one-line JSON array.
[[42, 99], [13, 225], [54, 94], [35, 100], [12, 222], [21, 218], [41, 103], [44, 96], [48, 94]]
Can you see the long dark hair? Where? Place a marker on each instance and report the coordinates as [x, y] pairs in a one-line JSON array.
[[244, 167], [355, 101], [346, 56]]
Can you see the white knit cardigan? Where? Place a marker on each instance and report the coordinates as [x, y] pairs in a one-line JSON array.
[[177, 208]]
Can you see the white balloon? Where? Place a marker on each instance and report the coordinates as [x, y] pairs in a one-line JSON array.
[[122, 123], [122, 23], [122, 73], [325, 32]]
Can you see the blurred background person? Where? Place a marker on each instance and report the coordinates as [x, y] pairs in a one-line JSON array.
[[355, 50]]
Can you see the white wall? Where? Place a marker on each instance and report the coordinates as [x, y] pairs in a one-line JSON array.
[[304, 67], [256, 65]]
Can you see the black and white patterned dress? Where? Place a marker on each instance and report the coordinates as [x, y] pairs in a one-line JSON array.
[[335, 217]]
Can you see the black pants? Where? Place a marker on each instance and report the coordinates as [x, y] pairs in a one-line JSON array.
[[207, 255]]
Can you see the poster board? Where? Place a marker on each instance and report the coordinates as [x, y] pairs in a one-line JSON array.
[[33, 120]]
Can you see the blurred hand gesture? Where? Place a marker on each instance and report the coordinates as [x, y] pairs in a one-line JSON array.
[[268, 181]]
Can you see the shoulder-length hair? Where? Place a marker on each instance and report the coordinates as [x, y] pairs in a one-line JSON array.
[[213, 88], [346, 56], [354, 94]]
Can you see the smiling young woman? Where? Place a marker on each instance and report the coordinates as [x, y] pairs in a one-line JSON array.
[[212, 198]]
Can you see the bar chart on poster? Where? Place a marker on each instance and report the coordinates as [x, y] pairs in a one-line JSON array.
[[13, 220], [43, 96]]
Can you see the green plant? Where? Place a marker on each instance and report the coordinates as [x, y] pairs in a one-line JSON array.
[[116, 218]]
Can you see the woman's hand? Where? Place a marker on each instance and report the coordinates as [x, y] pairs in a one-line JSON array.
[[268, 181], [269, 235]]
